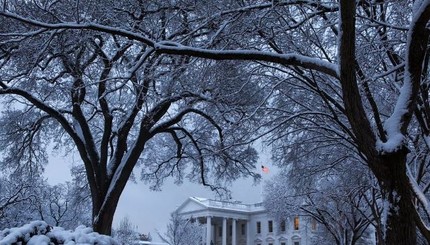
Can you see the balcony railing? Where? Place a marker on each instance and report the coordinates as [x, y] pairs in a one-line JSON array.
[[232, 205]]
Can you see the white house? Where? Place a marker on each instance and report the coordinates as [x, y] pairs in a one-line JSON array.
[[234, 223]]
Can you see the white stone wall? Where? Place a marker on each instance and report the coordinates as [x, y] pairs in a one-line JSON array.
[[215, 212], [277, 236]]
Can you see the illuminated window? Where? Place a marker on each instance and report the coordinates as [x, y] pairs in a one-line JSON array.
[[258, 227], [270, 224], [296, 224], [283, 226]]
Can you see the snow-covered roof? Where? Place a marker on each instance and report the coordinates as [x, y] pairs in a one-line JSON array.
[[237, 206], [230, 205]]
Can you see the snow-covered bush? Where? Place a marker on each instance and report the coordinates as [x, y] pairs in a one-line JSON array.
[[40, 233]]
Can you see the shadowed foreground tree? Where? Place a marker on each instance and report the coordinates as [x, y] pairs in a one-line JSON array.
[[367, 61], [119, 103]]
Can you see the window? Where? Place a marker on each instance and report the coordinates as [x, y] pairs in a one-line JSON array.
[[296, 225], [220, 231], [242, 229], [270, 243], [270, 224], [283, 243], [314, 224], [230, 230], [295, 240], [258, 227], [283, 226]]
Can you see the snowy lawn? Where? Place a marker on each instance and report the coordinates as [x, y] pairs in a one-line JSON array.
[[40, 233]]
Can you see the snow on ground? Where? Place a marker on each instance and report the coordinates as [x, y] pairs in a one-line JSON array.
[[40, 233]]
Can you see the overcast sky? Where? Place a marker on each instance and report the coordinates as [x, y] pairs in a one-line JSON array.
[[150, 210]]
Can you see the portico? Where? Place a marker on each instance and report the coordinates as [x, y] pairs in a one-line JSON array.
[[227, 223]]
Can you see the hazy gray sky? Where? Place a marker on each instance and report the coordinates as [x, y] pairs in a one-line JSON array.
[[150, 210]]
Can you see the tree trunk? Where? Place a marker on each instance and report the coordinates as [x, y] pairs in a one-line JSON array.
[[105, 201], [102, 215], [400, 226], [104, 206], [103, 222]]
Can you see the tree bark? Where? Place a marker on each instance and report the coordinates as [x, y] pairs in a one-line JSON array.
[[395, 187], [107, 198], [102, 222], [104, 206]]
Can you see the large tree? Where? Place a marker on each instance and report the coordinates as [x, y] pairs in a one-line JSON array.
[[365, 59], [118, 102]]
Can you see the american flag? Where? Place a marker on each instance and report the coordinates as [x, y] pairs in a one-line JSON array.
[[264, 169]]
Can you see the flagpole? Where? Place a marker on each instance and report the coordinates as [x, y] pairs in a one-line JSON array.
[[261, 188], [264, 170]]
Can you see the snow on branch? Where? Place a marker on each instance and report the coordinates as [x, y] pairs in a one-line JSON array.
[[42, 106], [418, 192], [168, 47], [72, 25], [255, 55], [395, 126], [425, 230]]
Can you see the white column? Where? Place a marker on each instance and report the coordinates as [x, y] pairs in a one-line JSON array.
[[234, 239], [248, 233], [208, 230], [204, 234], [224, 231]]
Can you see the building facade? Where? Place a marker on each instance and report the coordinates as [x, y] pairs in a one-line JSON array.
[[234, 223]]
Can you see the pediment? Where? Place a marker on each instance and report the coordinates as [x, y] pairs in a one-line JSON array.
[[270, 239], [296, 237], [258, 240], [190, 205], [282, 238]]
